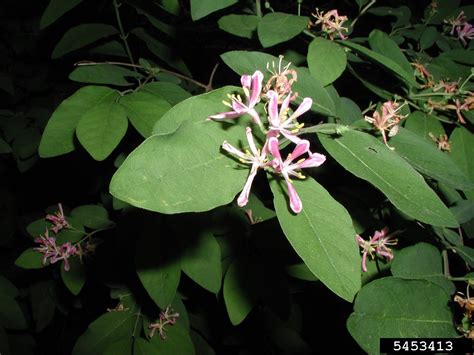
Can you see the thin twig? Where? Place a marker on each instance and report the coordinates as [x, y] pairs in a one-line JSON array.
[[363, 11], [211, 77], [123, 36]]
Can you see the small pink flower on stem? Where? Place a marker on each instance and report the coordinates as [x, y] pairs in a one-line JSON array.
[[289, 168], [166, 317], [466, 32], [58, 219], [255, 157], [55, 252], [252, 86], [280, 122], [279, 80], [457, 22], [387, 120], [331, 23], [376, 246]]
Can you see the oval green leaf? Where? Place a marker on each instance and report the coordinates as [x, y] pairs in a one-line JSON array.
[[239, 25], [381, 43], [322, 235], [30, 259], [367, 158], [278, 27], [202, 8], [92, 216], [326, 60], [55, 9], [103, 74]]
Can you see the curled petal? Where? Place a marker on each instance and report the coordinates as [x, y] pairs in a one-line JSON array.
[[290, 136], [364, 262], [314, 160], [273, 115], [226, 115], [232, 150], [295, 202], [253, 148], [273, 147], [302, 108], [244, 195], [301, 148], [257, 78]]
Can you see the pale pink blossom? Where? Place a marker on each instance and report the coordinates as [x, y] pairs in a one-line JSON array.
[[331, 23], [288, 168], [280, 121], [456, 22], [466, 32], [387, 120], [377, 245], [255, 157], [166, 317], [252, 86], [55, 252], [58, 219]]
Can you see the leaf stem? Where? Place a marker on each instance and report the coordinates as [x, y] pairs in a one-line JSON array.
[[363, 11], [123, 36], [258, 8]]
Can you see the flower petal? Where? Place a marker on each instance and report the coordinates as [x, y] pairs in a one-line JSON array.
[[364, 262], [253, 148], [302, 108], [290, 136], [226, 115], [301, 148], [256, 88], [244, 195], [255, 117], [315, 159], [246, 81], [232, 150], [273, 115], [274, 148], [295, 202]]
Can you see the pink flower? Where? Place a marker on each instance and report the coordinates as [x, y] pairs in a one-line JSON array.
[[287, 168], [166, 317], [387, 120], [58, 220], [331, 23], [255, 157], [280, 122], [252, 86], [457, 22], [376, 245], [467, 31], [54, 252]]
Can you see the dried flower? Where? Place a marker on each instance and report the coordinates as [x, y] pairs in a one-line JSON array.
[[376, 246], [331, 23], [466, 32], [442, 141], [279, 81], [387, 120]]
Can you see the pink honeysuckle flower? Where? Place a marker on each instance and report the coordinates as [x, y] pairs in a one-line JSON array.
[[282, 79], [166, 317], [58, 219], [467, 31], [387, 120], [456, 22], [289, 168], [280, 122], [377, 245], [255, 157], [252, 86], [331, 23], [55, 252]]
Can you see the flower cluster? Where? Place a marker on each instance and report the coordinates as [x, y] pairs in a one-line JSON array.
[[53, 252], [47, 244], [377, 245], [442, 141], [463, 29], [166, 317], [331, 23], [282, 123], [387, 120]]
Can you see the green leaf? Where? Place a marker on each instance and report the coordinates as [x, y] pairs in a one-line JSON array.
[[384, 61], [144, 109], [348, 111], [37, 227], [172, 93], [158, 271], [121, 347], [466, 253], [81, 36], [26, 143], [30, 259], [429, 160], [463, 210], [243, 62], [402, 14], [58, 136], [101, 129], [202, 8], [11, 315], [92, 216], [239, 25], [202, 262], [178, 341], [75, 278], [42, 304], [381, 43], [428, 37], [278, 27], [160, 182], [55, 9], [395, 308], [326, 60], [462, 151], [257, 209], [110, 48], [421, 261], [107, 329], [367, 158], [322, 235], [240, 290], [423, 124], [4, 147], [142, 347], [103, 74], [301, 271]]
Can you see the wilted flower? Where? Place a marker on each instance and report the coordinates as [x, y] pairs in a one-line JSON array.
[[280, 121], [255, 157], [442, 141], [289, 168], [456, 22], [467, 31], [376, 245], [387, 120], [449, 87], [58, 219], [252, 86], [279, 81], [331, 23], [55, 252], [166, 317]]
